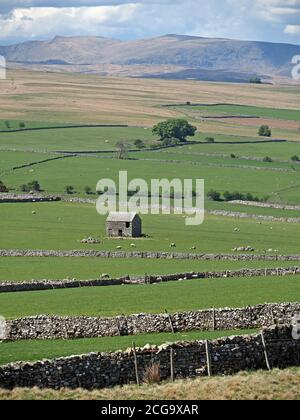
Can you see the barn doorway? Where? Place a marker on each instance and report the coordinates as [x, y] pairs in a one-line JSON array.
[[120, 232]]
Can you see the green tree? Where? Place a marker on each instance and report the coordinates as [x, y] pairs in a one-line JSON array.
[[69, 189], [214, 195], [174, 128], [295, 158], [88, 190], [264, 131], [209, 139], [256, 80], [3, 188], [139, 144], [7, 125]]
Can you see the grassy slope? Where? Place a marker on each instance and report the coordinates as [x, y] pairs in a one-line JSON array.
[[83, 171], [49, 349], [275, 385], [64, 225], [73, 139], [20, 269], [178, 296]]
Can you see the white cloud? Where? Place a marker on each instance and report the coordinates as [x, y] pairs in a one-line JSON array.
[[292, 29], [246, 19]]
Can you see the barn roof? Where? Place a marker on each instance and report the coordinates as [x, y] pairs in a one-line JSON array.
[[121, 217]]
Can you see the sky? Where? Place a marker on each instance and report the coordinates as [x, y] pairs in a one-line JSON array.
[[261, 20]]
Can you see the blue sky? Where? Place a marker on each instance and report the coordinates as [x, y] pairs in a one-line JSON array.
[[263, 20]]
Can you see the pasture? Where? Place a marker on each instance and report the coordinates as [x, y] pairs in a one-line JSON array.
[[174, 296], [87, 171], [47, 100], [243, 110], [36, 268], [61, 226]]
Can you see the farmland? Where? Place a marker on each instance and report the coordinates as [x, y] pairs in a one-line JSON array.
[[176, 297], [79, 157]]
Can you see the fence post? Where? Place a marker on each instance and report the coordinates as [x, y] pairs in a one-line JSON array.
[[208, 358], [172, 364], [265, 350], [170, 321], [136, 364]]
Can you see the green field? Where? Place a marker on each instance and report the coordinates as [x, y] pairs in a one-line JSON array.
[[63, 225], [82, 171], [36, 268], [175, 297], [236, 110], [73, 139], [44, 100], [50, 349]]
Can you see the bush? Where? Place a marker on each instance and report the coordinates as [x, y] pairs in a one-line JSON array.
[[267, 159], [209, 139], [69, 189], [88, 190], [233, 156], [139, 144], [22, 124], [31, 186], [256, 80], [264, 131], [7, 125], [152, 374], [214, 195], [295, 158], [3, 188]]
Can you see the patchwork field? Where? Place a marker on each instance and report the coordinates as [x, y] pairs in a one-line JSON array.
[[235, 162]]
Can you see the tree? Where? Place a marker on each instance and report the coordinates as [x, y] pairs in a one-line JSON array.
[[174, 128], [88, 190], [69, 189], [7, 125], [31, 186], [22, 124], [139, 144], [295, 158], [122, 150], [214, 195], [264, 131], [34, 186], [267, 159], [256, 80], [3, 188], [209, 139]]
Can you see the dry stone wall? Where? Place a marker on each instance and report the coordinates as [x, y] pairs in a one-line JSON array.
[[54, 327], [27, 198], [6, 286], [99, 370], [147, 254]]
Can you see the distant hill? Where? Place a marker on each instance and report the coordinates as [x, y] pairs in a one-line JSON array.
[[170, 56]]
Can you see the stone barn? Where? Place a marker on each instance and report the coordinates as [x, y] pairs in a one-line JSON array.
[[124, 225]]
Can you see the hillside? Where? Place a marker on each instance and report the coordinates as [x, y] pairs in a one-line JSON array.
[[170, 56]]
